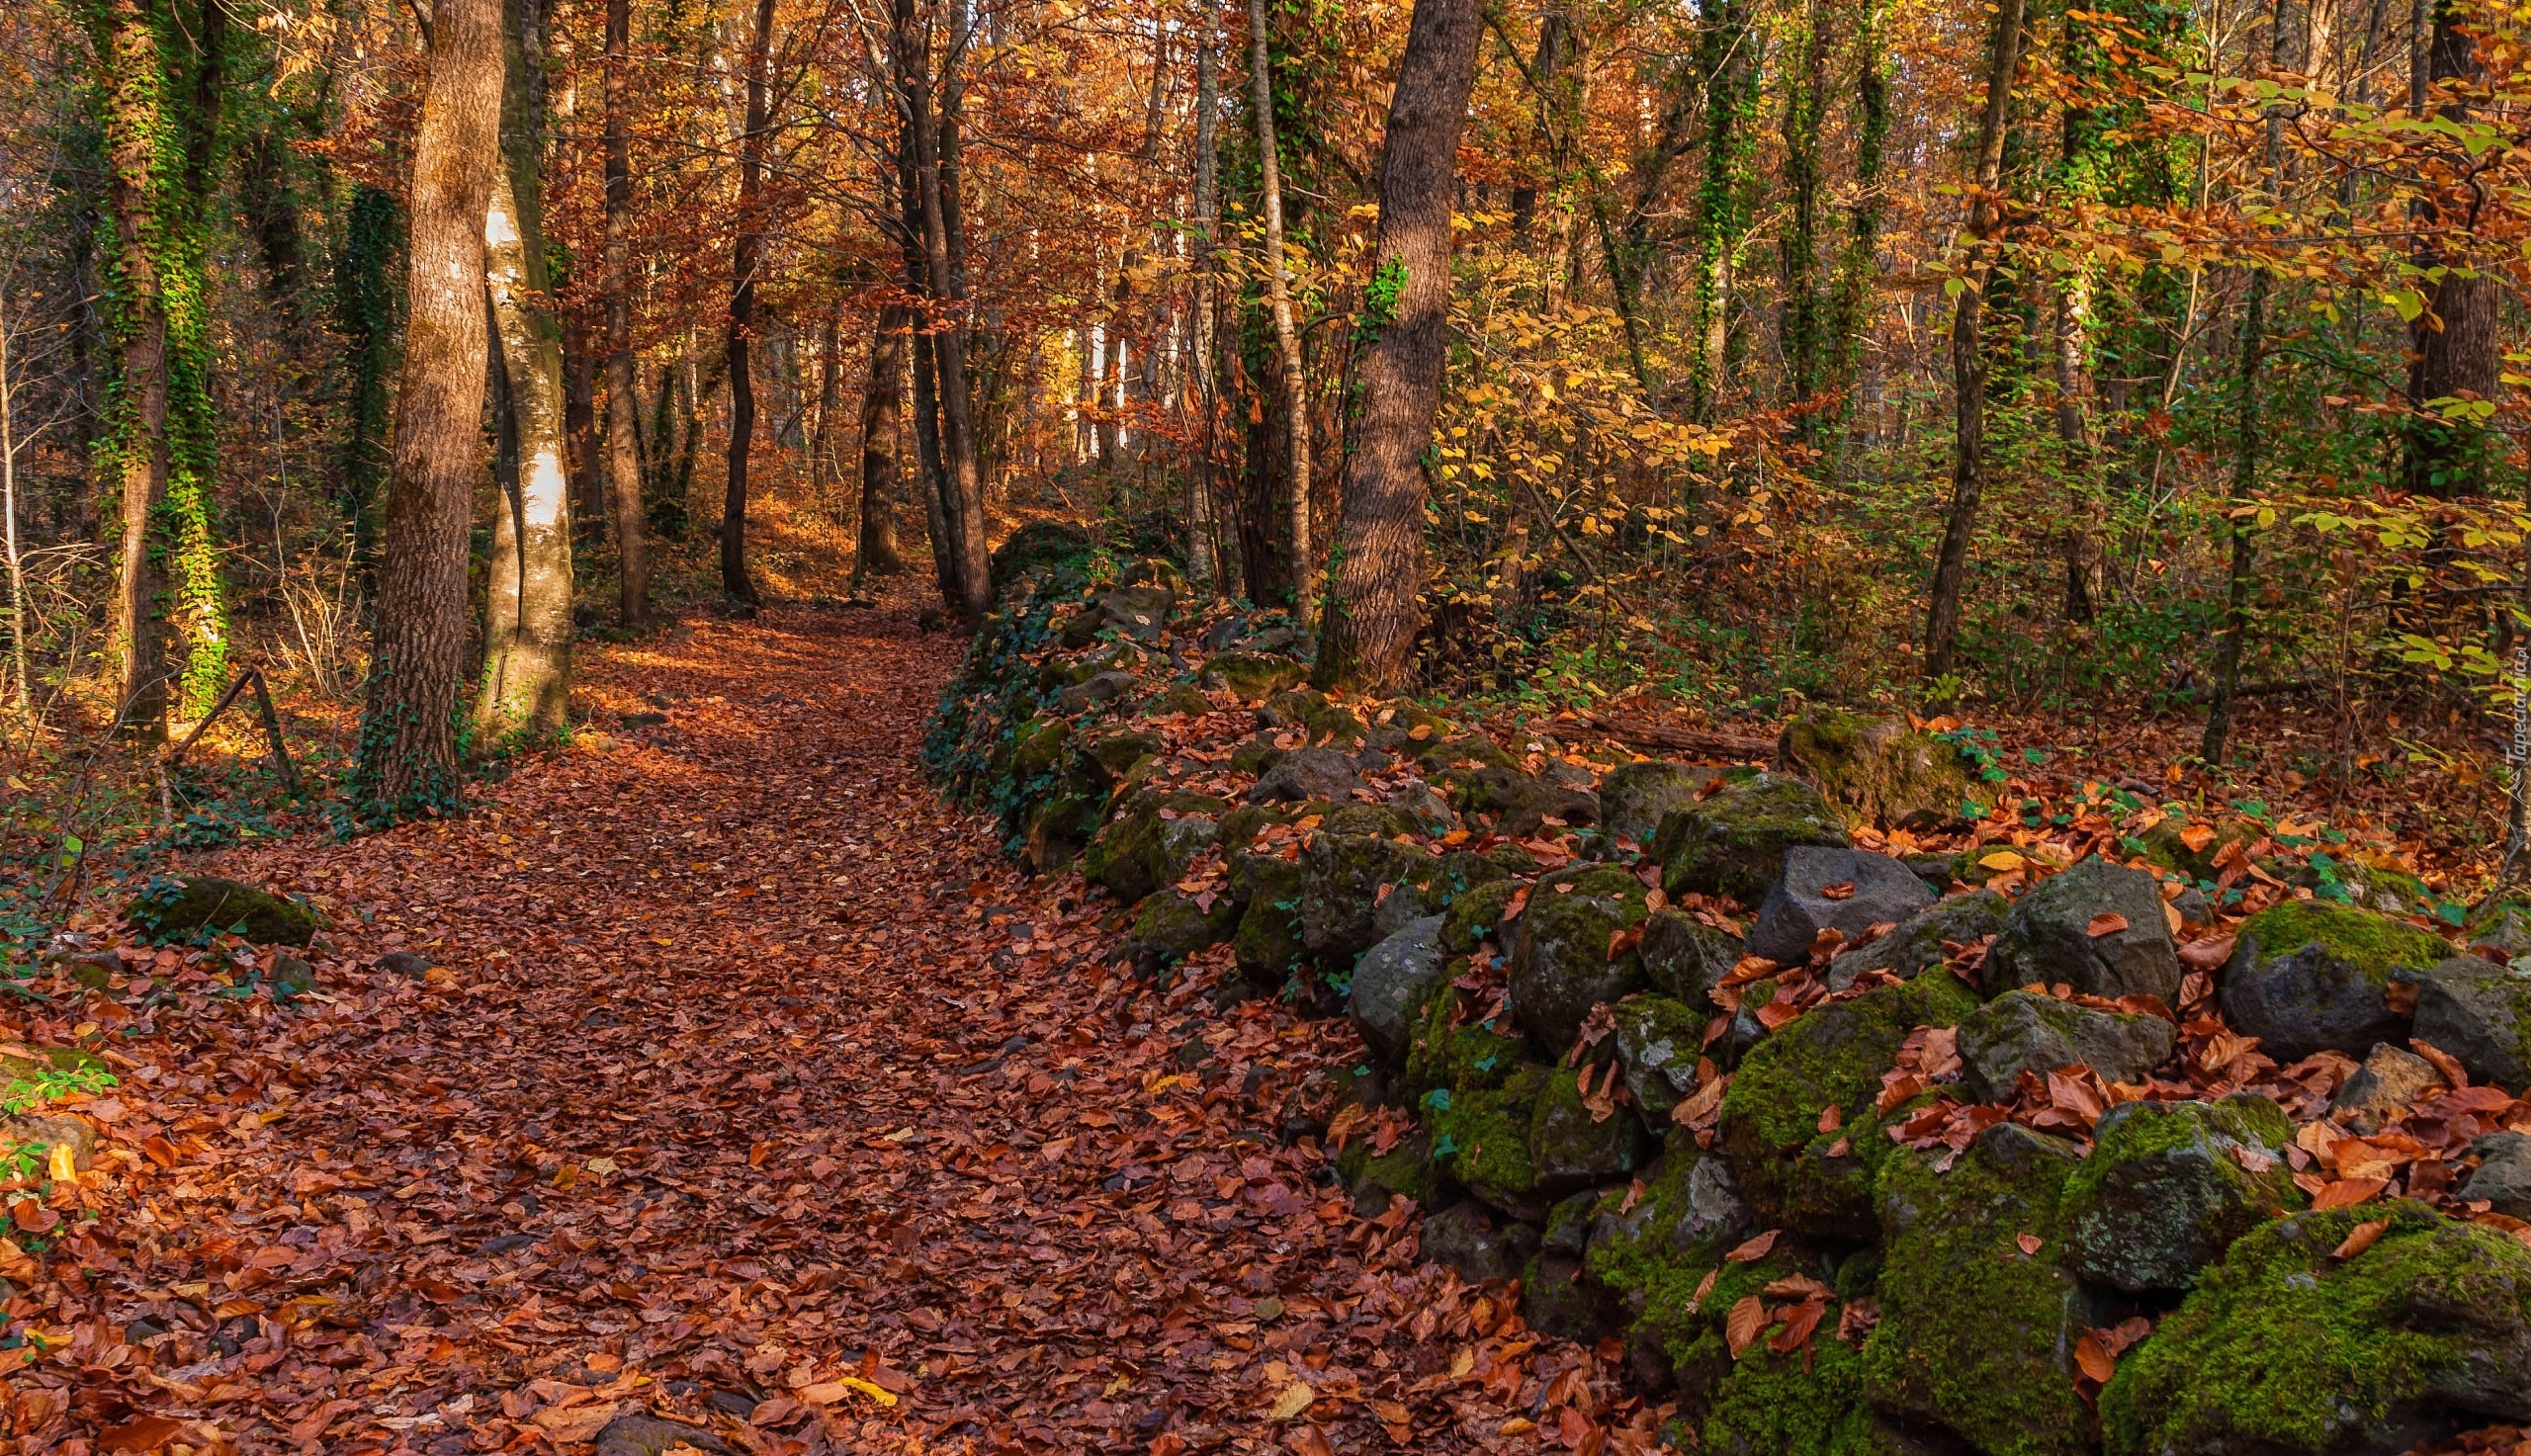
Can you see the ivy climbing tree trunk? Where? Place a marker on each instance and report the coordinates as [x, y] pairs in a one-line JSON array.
[[527, 648], [623, 401], [1968, 356], [1727, 56], [1203, 554], [1379, 571], [160, 78], [365, 300], [406, 763], [1287, 340], [745, 256]]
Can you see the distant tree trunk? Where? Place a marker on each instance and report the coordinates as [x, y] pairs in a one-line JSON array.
[[365, 309], [1968, 357], [947, 564], [964, 495], [1203, 566], [822, 451], [407, 761], [746, 257], [1728, 58], [1381, 567], [2073, 310], [2456, 337], [623, 399], [579, 422], [1287, 340], [877, 552], [198, 593], [527, 648], [1857, 261], [1806, 308]]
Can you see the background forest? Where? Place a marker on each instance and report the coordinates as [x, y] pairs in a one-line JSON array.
[[1785, 352]]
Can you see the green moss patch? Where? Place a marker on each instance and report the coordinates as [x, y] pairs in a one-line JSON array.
[[2366, 940]]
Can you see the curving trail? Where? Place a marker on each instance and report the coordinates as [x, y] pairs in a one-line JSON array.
[[753, 1089]]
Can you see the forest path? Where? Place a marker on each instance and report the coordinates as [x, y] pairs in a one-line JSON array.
[[749, 1072]]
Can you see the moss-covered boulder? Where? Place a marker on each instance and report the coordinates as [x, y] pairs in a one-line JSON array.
[[1733, 841], [1137, 614], [198, 906], [2099, 927], [1476, 915], [1058, 829], [2170, 1185], [1794, 1174], [1388, 982], [1679, 1338], [1572, 1145], [1112, 754], [1151, 840], [2288, 1347], [1922, 939], [1481, 1139], [1977, 1332], [1320, 717], [1883, 770], [1267, 945], [1659, 1042], [2481, 1013], [2166, 844], [1173, 925], [1037, 747], [1689, 1213], [1405, 1171], [1634, 796], [1440, 755], [2024, 1031], [2308, 975], [1519, 805], [1847, 891], [1684, 959], [1466, 1236], [1444, 1052], [1354, 861], [1036, 546], [1570, 954], [1255, 676]]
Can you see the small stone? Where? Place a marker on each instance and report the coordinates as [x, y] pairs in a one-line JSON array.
[[649, 1435], [2196, 911], [2481, 1013], [2385, 1088], [2503, 1177], [1659, 1040], [1847, 891], [1307, 774], [403, 963], [291, 976], [2023, 1031], [1390, 979], [1571, 1148], [1684, 959], [2047, 939]]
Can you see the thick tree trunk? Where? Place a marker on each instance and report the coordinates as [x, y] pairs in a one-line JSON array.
[[1287, 341], [407, 752], [1381, 566], [877, 552], [365, 313], [2074, 432], [1968, 356], [527, 648], [137, 428], [2455, 339], [746, 257], [623, 399], [961, 471]]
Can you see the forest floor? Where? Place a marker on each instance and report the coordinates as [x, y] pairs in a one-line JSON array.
[[748, 1086]]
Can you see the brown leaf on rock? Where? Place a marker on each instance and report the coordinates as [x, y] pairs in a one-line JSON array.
[[1798, 1322], [2107, 923], [2360, 1238], [1754, 1250], [1742, 1326], [2347, 1193]]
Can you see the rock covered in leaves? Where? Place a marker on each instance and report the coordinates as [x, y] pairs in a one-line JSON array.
[[2170, 1185], [2098, 927], [1733, 841], [2356, 1330], [196, 908], [2384, 1088], [1930, 937], [1847, 891], [1882, 768], [2309, 975], [2481, 1013], [2024, 1031], [1575, 950]]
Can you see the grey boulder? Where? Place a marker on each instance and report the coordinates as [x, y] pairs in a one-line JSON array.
[[2024, 1031], [2047, 939], [1922, 939], [2385, 1088], [1307, 774], [2480, 1012], [1847, 891], [2504, 1179], [1387, 981], [1634, 796]]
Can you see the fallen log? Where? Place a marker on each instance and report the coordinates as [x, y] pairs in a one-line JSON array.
[[1683, 740]]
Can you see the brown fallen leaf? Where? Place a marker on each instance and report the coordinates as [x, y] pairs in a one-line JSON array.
[[1798, 1322], [147, 1433], [1741, 1327], [1753, 1249], [2347, 1193], [2360, 1238], [2107, 923], [1841, 889], [2207, 955], [2029, 1243]]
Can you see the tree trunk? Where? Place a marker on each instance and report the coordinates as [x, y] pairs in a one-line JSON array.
[[365, 315], [1968, 357], [407, 749], [1204, 550], [2454, 338], [2073, 310], [877, 552], [1381, 569], [1287, 341], [136, 447], [527, 651], [198, 594], [623, 401], [961, 474], [744, 259], [580, 421], [947, 564]]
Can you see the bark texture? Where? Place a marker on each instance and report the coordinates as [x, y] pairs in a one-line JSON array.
[[2456, 337], [1380, 569], [877, 552], [407, 753], [745, 256], [623, 401], [527, 648], [1287, 341]]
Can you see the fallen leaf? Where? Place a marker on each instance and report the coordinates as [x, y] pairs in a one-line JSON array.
[[2348, 1192], [1841, 889], [1798, 1322], [2029, 1243], [1754, 1250], [1294, 1399], [147, 1433], [1741, 1326], [2360, 1238], [2107, 923], [2093, 1358]]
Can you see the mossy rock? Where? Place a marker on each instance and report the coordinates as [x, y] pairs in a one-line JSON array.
[[1808, 1402], [1570, 1149], [1977, 1333], [1684, 959], [1138, 850], [1171, 925], [1882, 770], [2480, 1012], [1115, 751], [1256, 755], [1659, 1042], [1733, 841], [1436, 754], [1321, 719], [196, 908], [1634, 796], [1795, 1175], [1679, 1337], [1348, 870], [1037, 747], [2164, 847], [1255, 676], [2308, 975], [1268, 943], [1690, 1212], [2168, 1187], [1058, 829], [2286, 1347], [52, 1064], [1560, 963], [1446, 1056], [1923, 940], [1481, 1139], [1405, 1171], [1038, 547], [1179, 699], [1476, 915]]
